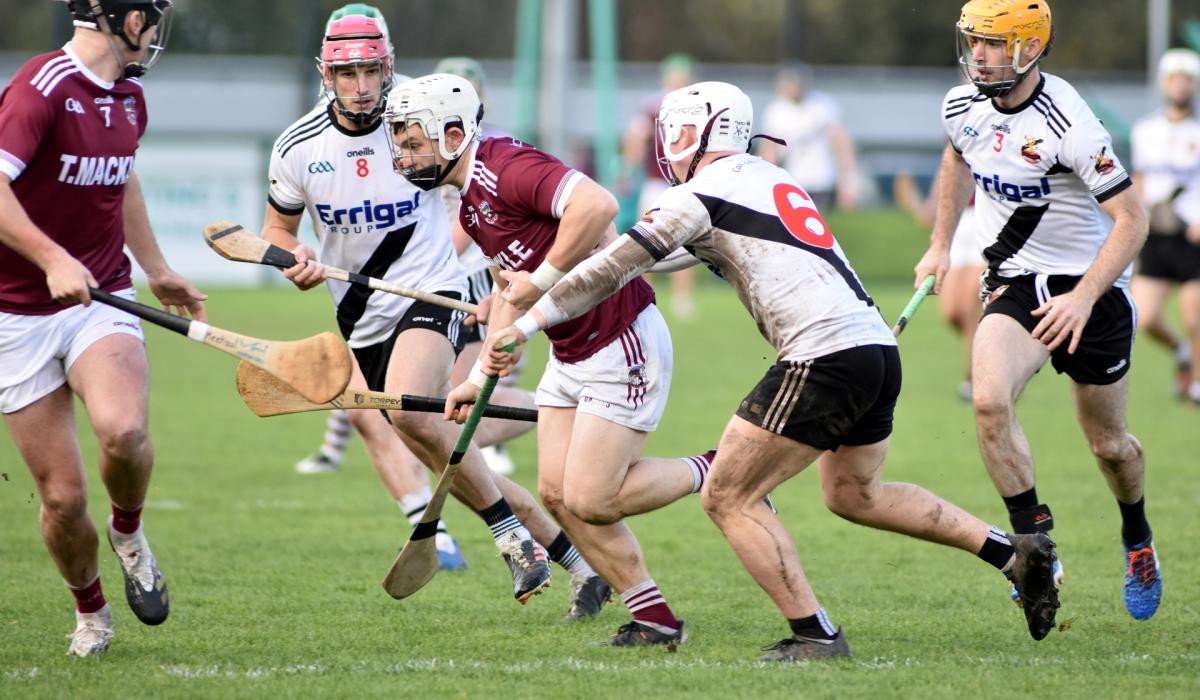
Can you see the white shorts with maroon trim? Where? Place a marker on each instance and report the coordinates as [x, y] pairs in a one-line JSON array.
[[37, 351], [625, 382]]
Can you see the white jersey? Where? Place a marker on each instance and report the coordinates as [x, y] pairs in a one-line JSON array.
[[1040, 170], [368, 218], [749, 221], [805, 127], [1167, 156]]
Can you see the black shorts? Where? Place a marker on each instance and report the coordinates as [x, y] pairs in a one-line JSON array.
[[1106, 347], [844, 398], [1170, 257], [479, 285], [373, 359]]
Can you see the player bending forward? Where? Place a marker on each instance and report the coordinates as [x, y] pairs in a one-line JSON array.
[[606, 385], [830, 397]]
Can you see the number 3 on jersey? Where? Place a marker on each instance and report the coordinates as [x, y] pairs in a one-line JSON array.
[[362, 168], [999, 141], [799, 214]]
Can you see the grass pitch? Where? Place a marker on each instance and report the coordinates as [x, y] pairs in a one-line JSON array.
[[275, 577]]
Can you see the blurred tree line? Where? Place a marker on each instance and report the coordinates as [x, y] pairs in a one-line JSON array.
[[1103, 35]]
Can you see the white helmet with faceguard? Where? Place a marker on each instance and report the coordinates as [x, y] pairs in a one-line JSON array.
[[435, 103], [721, 114], [360, 41]]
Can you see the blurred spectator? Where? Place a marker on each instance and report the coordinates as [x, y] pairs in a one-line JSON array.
[[819, 151]]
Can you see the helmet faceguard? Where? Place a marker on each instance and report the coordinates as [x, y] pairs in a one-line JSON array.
[[434, 103], [1015, 23], [362, 42], [156, 13], [721, 115]]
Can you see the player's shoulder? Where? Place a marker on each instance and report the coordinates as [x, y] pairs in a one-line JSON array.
[[42, 73], [1061, 98], [959, 100], [303, 130], [509, 156]]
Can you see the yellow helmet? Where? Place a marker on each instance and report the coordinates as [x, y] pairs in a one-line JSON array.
[[1017, 23]]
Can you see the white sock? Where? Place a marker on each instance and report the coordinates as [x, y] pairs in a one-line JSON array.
[[414, 505], [1183, 353]]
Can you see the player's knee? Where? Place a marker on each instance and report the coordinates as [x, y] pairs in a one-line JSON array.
[[991, 406], [718, 501], [591, 508], [367, 423], [420, 427], [126, 442], [1114, 448], [849, 499], [551, 494], [65, 501]]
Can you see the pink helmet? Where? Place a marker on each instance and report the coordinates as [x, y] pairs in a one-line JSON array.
[[351, 40]]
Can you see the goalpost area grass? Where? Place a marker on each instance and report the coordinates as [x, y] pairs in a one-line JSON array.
[[275, 577]]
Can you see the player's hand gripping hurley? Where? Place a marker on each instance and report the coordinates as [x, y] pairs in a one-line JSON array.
[[317, 367], [417, 563], [266, 395], [233, 242], [911, 310]]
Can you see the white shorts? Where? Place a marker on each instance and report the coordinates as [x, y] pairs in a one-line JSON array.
[[967, 247], [37, 351], [625, 382]]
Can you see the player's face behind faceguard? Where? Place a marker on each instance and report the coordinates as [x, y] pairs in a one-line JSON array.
[[1000, 41], [143, 26], [356, 67], [432, 121], [1178, 74]]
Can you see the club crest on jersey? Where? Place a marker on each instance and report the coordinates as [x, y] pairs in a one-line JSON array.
[[1104, 164], [648, 216], [489, 215], [1002, 191], [1030, 151], [637, 376], [131, 110]]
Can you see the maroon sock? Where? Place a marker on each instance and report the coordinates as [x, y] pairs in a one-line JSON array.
[[648, 605], [90, 598], [124, 521]]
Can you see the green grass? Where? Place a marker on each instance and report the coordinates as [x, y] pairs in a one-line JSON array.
[[275, 577]]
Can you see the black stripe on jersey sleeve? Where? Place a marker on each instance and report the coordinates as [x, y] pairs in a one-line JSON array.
[[1113, 190], [743, 221], [352, 306], [654, 248], [283, 208], [1015, 234]]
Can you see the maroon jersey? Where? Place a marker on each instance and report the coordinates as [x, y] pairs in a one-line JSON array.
[[67, 142], [513, 199]]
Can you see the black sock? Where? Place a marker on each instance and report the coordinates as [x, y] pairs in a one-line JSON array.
[[1134, 528], [814, 626], [1021, 501], [1026, 515], [499, 517], [997, 550]]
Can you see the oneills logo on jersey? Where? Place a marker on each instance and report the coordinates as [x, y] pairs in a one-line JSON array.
[[88, 171], [1002, 191], [368, 217]]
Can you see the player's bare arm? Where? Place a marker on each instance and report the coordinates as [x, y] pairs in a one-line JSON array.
[[586, 219], [284, 231], [954, 189], [1064, 316], [176, 294], [66, 277]]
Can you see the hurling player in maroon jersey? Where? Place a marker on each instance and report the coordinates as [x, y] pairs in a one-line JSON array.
[[606, 382], [70, 121]]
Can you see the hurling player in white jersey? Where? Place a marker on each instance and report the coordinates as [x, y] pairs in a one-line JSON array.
[[830, 396], [1166, 173], [335, 163], [1042, 168]]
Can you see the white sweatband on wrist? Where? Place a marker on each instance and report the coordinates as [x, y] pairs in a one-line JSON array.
[[546, 275], [477, 376], [528, 325]]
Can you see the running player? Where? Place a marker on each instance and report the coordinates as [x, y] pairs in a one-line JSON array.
[[1166, 173], [70, 122], [1042, 168], [830, 397], [334, 163], [606, 384]]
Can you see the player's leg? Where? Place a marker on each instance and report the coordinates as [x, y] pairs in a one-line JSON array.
[[1101, 413], [111, 374], [492, 431], [961, 309], [419, 363], [1150, 294], [329, 456], [1189, 308], [44, 434]]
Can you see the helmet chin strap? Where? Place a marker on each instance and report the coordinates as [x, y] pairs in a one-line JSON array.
[[703, 147], [128, 69], [432, 176]]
